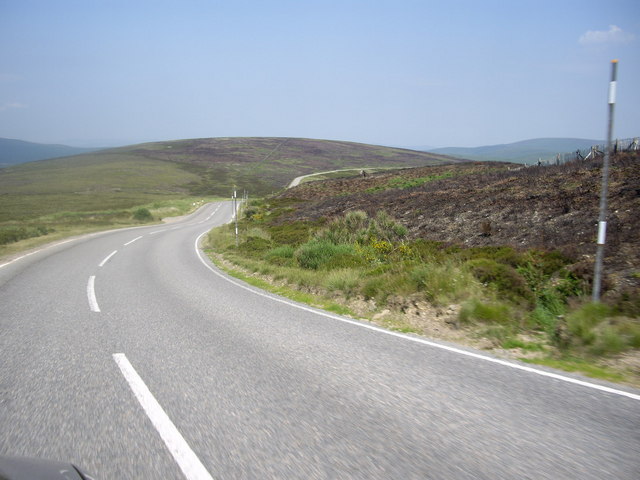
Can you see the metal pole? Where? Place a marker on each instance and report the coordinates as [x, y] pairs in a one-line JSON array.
[[235, 212], [602, 218]]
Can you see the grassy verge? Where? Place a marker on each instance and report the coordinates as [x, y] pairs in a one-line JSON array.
[[530, 304], [583, 367], [313, 300], [18, 236]]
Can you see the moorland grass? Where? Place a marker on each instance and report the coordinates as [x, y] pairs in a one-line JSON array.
[[64, 224], [53, 199], [98, 183]]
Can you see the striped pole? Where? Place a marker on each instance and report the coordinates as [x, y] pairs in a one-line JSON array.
[[235, 211], [602, 218]]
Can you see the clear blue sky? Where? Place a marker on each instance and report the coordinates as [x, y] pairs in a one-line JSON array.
[[397, 72]]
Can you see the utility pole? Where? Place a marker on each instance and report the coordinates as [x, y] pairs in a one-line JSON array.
[[602, 218]]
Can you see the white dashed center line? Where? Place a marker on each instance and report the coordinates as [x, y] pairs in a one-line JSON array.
[[108, 257], [131, 241], [91, 295]]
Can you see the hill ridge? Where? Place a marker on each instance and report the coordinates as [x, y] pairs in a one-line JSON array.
[[522, 151], [123, 177], [14, 152]]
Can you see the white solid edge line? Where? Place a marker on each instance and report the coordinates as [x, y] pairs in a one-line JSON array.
[[108, 258], [186, 459], [131, 241], [91, 295], [418, 340]]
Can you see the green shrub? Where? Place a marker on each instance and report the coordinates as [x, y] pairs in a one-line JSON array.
[[251, 212], [345, 257], [427, 250], [400, 230], [541, 318], [255, 246], [282, 255], [344, 280], [487, 312], [294, 233], [385, 284], [581, 323], [594, 328], [357, 227], [142, 215], [316, 254], [383, 227], [607, 340], [442, 283], [552, 300], [12, 234], [373, 287], [506, 255], [550, 262], [509, 283], [630, 329], [570, 285], [628, 302], [534, 277], [351, 228], [255, 232], [284, 251], [500, 334]]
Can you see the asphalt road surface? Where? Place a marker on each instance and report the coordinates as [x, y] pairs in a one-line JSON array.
[[130, 355]]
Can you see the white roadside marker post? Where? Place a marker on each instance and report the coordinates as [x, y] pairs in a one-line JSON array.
[[235, 212], [602, 219]]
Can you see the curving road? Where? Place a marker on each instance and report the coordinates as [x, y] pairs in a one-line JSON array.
[[130, 355]]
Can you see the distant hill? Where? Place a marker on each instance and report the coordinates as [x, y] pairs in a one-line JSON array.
[[420, 148], [13, 152], [266, 164], [139, 174], [526, 151]]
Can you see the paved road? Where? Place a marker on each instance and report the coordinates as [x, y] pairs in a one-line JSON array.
[[148, 363]]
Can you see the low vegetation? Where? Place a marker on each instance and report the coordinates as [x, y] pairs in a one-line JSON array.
[[18, 235], [532, 302], [15, 233], [370, 257]]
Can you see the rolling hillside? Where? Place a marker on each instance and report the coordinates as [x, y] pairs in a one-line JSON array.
[[526, 151], [138, 174], [267, 164], [14, 152]]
